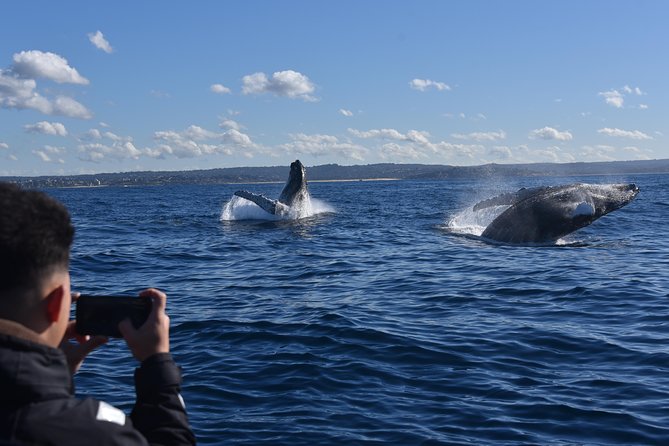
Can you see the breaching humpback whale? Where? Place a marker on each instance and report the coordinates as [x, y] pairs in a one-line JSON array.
[[293, 199], [544, 214]]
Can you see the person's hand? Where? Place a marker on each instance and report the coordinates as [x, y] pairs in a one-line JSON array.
[[76, 352], [154, 335]]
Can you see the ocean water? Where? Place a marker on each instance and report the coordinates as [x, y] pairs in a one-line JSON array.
[[373, 321]]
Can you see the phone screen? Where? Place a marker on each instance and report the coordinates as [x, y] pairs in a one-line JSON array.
[[100, 315]]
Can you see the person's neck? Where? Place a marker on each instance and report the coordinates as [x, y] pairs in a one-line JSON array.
[[18, 330]]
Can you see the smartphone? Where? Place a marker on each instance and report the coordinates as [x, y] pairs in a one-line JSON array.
[[100, 315]]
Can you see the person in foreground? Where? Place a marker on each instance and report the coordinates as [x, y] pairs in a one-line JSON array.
[[40, 350]]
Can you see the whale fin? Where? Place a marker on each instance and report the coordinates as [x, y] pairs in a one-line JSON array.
[[500, 200], [509, 198], [265, 203]]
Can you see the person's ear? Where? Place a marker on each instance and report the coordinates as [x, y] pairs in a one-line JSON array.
[[54, 301]]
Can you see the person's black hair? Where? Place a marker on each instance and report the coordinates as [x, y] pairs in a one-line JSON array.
[[35, 236]]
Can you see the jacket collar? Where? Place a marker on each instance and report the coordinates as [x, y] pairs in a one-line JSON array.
[[29, 370], [17, 330]]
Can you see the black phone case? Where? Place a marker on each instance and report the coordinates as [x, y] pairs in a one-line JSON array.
[[100, 315]]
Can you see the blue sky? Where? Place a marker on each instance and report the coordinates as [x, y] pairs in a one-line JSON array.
[[94, 86]]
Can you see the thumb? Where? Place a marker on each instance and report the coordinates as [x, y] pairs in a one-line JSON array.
[[126, 328]]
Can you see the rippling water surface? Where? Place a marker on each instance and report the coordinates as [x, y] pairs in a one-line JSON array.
[[372, 322]]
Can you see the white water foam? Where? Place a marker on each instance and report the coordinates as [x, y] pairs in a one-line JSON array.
[[239, 208], [471, 222]]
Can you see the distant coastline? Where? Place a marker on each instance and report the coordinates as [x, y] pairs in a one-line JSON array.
[[335, 172]]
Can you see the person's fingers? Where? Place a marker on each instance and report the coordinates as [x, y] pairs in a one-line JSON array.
[[159, 299], [71, 330], [71, 333], [126, 328]]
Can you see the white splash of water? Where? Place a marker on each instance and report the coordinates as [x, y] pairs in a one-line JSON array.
[[320, 207], [239, 208], [471, 222]]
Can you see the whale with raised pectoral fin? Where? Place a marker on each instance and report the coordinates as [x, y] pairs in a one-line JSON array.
[[545, 214], [294, 200]]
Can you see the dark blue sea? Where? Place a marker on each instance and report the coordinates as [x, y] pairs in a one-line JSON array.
[[374, 322]]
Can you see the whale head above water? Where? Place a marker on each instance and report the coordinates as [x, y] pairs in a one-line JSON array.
[[295, 191], [294, 198], [545, 214]]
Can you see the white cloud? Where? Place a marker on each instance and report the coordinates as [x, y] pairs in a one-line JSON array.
[[323, 145], [230, 124], [37, 64], [613, 98], [96, 152], [67, 106], [378, 133], [636, 90], [116, 138], [4, 145], [49, 151], [393, 151], [420, 137], [220, 89], [411, 136], [196, 141], [344, 112], [501, 152], [197, 133], [524, 154], [42, 155], [98, 39], [547, 155], [616, 98], [21, 94], [93, 134], [289, 83], [481, 136], [643, 106], [55, 150], [416, 144], [637, 153], [458, 151], [256, 83], [108, 145], [425, 84], [598, 153], [618, 133], [552, 155], [47, 128], [549, 133], [236, 138]]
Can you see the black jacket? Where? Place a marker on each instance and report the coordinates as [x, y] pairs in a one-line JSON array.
[[38, 407]]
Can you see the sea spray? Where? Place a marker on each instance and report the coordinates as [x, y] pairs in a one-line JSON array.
[[471, 222], [241, 209]]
